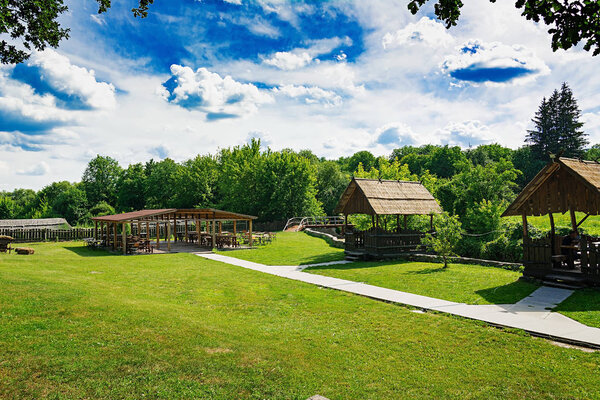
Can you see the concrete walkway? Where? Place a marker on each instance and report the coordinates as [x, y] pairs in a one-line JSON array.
[[531, 314]]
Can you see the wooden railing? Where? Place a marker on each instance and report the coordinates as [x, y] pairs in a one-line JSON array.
[[379, 242], [21, 235], [590, 258]]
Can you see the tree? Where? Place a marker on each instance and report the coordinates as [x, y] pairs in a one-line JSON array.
[[7, 206], [34, 24], [100, 180], [330, 184], [571, 21], [364, 157], [557, 127], [197, 183], [131, 187], [161, 184], [72, 206], [446, 237]]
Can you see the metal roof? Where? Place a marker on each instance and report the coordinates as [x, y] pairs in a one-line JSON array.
[[182, 213], [33, 223]]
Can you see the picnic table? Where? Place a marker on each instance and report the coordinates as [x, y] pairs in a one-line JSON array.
[[93, 243]]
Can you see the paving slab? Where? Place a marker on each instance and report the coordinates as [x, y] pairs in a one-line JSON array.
[[532, 314]]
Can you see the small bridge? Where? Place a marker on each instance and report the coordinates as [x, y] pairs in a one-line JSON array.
[[314, 222]]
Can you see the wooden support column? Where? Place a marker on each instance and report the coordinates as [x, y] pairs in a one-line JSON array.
[[405, 221], [95, 230], [234, 228], [373, 220], [377, 221], [139, 229], [214, 235], [525, 227], [186, 229], [147, 230], [174, 226], [124, 237], [220, 227], [345, 224], [168, 233], [157, 234], [198, 230], [250, 232], [552, 233], [431, 223], [114, 235], [573, 221]]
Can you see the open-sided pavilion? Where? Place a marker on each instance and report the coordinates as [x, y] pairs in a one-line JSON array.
[[564, 185], [377, 197], [201, 225]]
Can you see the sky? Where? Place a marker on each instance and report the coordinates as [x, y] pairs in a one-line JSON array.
[[334, 77]]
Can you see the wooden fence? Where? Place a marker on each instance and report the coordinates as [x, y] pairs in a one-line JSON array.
[[377, 242], [22, 235]]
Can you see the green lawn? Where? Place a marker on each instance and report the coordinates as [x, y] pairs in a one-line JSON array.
[[582, 306], [290, 248], [471, 284], [80, 324]]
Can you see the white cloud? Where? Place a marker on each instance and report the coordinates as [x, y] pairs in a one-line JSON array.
[[465, 134], [265, 139], [494, 64], [396, 134], [310, 95], [38, 169], [208, 92], [424, 32], [58, 72], [298, 58]]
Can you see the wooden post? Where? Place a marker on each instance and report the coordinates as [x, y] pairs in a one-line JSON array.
[[220, 227], [114, 235], [405, 221], [168, 233], [345, 224], [234, 228], [95, 230], [377, 221], [525, 227], [139, 229], [198, 229], [174, 226], [214, 235], [147, 230], [124, 236], [552, 232], [431, 223], [250, 232], [373, 220], [157, 234], [186, 230], [574, 221]]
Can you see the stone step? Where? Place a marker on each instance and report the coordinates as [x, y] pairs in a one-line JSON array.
[[561, 285]]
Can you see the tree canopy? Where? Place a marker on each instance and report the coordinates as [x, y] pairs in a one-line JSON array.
[[570, 21]]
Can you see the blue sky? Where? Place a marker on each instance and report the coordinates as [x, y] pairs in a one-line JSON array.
[[335, 77]]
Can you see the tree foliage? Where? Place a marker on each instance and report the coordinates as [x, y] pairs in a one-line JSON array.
[[570, 21], [446, 237]]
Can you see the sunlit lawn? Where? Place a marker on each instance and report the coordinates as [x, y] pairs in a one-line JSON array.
[[590, 225], [291, 248], [472, 284], [78, 324]]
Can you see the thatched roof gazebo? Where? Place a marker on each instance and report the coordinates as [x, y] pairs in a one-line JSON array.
[[377, 197], [563, 185]]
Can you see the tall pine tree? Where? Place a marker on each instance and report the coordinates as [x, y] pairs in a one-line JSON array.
[[557, 127]]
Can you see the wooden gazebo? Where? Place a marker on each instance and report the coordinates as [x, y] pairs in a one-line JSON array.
[[564, 185], [377, 198], [200, 225]]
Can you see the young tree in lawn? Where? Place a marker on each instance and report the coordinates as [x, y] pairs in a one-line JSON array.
[[446, 237]]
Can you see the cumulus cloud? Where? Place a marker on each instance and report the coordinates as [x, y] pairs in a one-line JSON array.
[[396, 134], [38, 169], [265, 138], [424, 32], [208, 92], [300, 57], [59, 74], [465, 134], [494, 63], [17, 140], [310, 95]]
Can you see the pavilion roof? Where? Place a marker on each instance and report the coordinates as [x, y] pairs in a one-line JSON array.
[[563, 185], [164, 213], [387, 197]]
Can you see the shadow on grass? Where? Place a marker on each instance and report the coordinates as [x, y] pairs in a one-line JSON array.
[[509, 293], [357, 265], [581, 300], [323, 258], [427, 271], [83, 251]]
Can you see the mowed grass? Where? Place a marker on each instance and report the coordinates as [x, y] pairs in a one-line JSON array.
[[582, 306], [82, 324], [290, 248], [471, 284]]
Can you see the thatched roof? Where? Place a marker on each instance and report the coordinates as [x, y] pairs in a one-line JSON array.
[[34, 223], [563, 185], [384, 197]]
